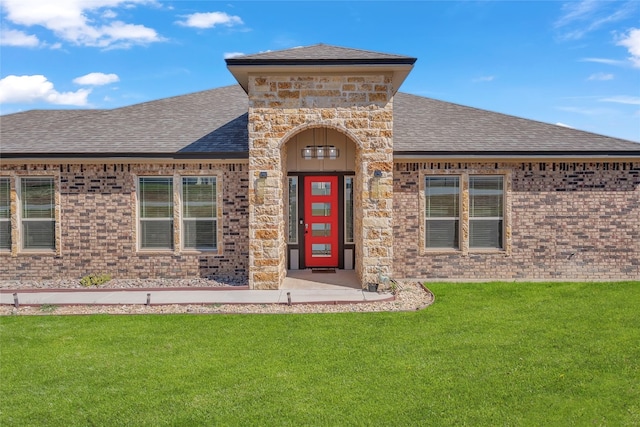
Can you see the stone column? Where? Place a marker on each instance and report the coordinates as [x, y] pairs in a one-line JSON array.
[[267, 244], [374, 171]]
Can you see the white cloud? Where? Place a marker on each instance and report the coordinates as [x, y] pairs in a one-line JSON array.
[[603, 61], [632, 42], [564, 125], [18, 38], [232, 54], [484, 79], [82, 22], [96, 79], [582, 17], [122, 35], [36, 88], [209, 20], [601, 76], [574, 11], [623, 99], [109, 14]]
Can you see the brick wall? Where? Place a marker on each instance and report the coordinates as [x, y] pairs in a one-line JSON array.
[[96, 224], [568, 221]]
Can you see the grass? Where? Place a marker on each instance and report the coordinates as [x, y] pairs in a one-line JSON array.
[[484, 354]]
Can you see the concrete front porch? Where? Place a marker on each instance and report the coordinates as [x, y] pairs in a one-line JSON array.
[[307, 279]]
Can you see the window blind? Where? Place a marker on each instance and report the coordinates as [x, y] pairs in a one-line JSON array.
[[485, 211], [442, 197]]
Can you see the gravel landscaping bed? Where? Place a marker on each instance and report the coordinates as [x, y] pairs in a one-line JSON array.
[[410, 296], [122, 283]]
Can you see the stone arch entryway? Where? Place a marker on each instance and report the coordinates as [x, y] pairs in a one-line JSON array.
[[320, 208], [276, 118]]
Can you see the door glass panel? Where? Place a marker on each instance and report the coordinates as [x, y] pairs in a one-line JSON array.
[[320, 250], [321, 230], [321, 209], [320, 188], [293, 209], [348, 210]]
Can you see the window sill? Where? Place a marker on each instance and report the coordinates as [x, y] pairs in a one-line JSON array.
[[39, 252], [164, 252], [155, 252], [200, 252], [478, 251], [487, 251], [440, 251]]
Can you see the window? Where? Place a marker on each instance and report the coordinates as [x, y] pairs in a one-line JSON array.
[[293, 210], [197, 198], [485, 212], [37, 213], [156, 213], [480, 211], [199, 213], [5, 215], [348, 209], [442, 196]]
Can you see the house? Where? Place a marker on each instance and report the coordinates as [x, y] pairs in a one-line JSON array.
[[314, 160]]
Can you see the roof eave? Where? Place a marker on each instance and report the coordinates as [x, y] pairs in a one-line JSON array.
[[503, 155], [320, 62], [399, 68], [209, 155]]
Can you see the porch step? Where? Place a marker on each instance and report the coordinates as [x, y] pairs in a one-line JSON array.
[[323, 270]]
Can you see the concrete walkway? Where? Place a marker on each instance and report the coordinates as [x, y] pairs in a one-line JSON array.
[[191, 296], [300, 287]]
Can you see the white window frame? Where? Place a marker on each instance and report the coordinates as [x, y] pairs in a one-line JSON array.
[[152, 219], [184, 219], [464, 212], [488, 218], [457, 218], [22, 219], [7, 221]]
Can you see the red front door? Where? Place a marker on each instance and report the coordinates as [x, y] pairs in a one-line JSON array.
[[321, 221]]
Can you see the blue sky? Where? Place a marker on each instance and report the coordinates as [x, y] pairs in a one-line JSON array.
[[573, 63]]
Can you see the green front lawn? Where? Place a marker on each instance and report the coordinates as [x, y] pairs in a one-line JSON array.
[[484, 354]]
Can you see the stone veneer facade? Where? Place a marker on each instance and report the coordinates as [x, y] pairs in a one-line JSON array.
[[281, 106], [96, 224], [563, 221]]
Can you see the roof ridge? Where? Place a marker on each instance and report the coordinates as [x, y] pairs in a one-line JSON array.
[[315, 49]]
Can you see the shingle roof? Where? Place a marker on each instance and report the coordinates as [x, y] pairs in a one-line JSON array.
[[213, 124], [428, 125], [208, 122], [320, 53]]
